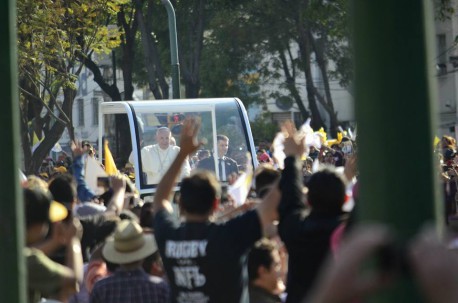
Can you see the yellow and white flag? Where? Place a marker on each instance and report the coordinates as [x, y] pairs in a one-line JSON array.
[[93, 170], [36, 142], [110, 166], [241, 188]]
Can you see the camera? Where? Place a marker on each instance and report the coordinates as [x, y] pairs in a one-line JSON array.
[[392, 257], [103, 182], [347, 148]]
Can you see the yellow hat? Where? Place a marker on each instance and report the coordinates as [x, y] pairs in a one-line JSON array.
[[57, 211], [60, 169]]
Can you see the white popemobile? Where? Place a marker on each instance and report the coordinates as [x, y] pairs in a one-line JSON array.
[[130, 126]]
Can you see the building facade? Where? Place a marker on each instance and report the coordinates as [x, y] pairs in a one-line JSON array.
[[446, 61]]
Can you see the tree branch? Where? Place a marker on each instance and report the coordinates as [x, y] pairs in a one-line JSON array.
[[44, 104]]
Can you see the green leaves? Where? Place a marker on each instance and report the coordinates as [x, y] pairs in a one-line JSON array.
[[52, 37], [444, 9], [53, 33]]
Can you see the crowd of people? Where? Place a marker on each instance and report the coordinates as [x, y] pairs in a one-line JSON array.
[[295, 239]]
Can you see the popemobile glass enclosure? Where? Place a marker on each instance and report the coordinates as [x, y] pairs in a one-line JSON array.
[[143, 137]]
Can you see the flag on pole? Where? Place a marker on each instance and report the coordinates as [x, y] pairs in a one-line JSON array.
[[36, 142], [278, 146], [110, 166], [93, 170]]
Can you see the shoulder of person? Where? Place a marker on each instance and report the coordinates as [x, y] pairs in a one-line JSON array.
[[148, 147], [230, 160], [206, 161]]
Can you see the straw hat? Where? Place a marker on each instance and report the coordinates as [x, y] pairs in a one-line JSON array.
[[128, 244]]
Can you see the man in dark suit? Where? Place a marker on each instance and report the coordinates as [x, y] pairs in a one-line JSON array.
[[227, 166]]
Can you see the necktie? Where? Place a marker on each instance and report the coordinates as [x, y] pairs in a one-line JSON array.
[[222, 176]]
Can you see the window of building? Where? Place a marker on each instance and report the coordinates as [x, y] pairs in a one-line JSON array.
[[80, 112], [441, 54], [95, 111]]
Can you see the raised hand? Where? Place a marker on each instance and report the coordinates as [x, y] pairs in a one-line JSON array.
[[294, 143], [77, 149], [189, 142]]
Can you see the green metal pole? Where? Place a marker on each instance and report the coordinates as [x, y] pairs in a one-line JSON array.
[[12, 274], [394, 89], [173, 49]]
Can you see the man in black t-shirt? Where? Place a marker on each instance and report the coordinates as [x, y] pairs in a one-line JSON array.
[[205, 261], [306, 232]]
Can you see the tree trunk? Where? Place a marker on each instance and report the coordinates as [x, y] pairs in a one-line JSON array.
[[111, 90], [127, 70], [25, 138], [305, 54], [291, 84], [317, 121], [52, 135], [323, 66], [191, 63], [128, 53], [159, 70], [151, 56]]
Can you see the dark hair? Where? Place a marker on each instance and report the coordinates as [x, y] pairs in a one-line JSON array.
[[147, 215], [106, 197], [326, 191], [148, 261], [203, 153], [37, 203], [111, 267], [63, 188], [264, 177], [260, 255], [222, 138], [198, 192]]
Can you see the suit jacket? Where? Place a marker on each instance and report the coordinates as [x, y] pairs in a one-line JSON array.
[[229, 164]]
